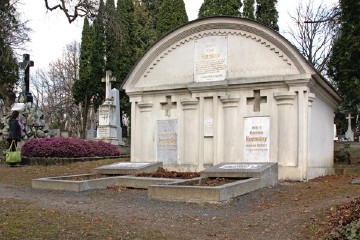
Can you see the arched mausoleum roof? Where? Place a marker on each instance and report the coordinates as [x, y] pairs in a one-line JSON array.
[[254, 53]]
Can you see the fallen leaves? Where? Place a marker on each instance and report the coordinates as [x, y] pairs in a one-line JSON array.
[[117, 188]]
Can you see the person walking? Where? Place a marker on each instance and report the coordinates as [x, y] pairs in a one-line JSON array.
[[15, 130]]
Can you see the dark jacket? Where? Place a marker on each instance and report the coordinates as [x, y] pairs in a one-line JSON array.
[[14, 131]]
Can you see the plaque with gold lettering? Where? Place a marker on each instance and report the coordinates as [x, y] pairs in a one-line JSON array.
[[256, 139]]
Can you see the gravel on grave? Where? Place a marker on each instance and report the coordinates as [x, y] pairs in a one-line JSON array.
[[290, 210]]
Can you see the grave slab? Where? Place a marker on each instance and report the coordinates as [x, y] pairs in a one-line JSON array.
[[128, 168], [356, 181], [267, 172], [65, 183]]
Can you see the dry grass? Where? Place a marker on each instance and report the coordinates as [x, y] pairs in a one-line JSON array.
[[20, 176]]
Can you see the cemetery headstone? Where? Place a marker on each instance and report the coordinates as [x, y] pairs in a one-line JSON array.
[[26, 64], [349, 133], [115, 94], [109, 114]]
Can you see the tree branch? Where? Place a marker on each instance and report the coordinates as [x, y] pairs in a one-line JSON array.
[[73, 10]]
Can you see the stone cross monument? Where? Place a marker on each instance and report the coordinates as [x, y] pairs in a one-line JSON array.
[[26, 64], [108, 79], [109, 128], [349, 133]]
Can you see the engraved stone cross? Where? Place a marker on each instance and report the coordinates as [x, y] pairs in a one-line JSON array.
[[256, 100], [108, 79], [168, 105]]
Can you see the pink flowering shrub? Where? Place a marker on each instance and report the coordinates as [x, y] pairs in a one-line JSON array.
[[67, 148]]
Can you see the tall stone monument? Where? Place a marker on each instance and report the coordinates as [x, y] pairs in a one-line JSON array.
[[115, 94], [349, 133], [109, 129], [26, 64]]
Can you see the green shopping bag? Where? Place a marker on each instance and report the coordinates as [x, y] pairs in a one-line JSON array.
[[13, 156]]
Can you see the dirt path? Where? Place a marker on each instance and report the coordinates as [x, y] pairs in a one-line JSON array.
[[285, 211]]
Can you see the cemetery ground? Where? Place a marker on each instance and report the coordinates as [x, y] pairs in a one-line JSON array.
[[290, 210]]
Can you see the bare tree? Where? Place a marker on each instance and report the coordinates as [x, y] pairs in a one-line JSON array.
[[314, 33], [54, 91], [74, 8], [38, 82]]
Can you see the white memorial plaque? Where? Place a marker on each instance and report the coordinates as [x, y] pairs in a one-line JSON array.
[[256, 139], [167, 141], [241, 166], [210, 63], [208, 127]]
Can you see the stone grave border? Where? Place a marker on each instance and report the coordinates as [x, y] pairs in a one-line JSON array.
[[248, 180], [176, 191], [60, 183]]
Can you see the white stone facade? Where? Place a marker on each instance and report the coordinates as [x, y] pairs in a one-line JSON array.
[[269, 105]]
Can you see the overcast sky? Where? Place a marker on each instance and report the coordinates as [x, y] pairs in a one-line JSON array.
[[51, 30]]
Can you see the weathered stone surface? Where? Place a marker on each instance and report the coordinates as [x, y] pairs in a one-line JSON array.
[[128, 168], [32, 118]]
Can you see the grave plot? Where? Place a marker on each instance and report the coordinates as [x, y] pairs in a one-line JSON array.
[[218, 183], [75, 183], [161, 176], [105, 176]]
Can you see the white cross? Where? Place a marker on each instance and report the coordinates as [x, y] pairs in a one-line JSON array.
[[349, 121], [108, 79]]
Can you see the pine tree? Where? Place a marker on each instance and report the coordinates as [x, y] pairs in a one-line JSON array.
[[267, 14], [249, 9], [153, 7], [98, 57], [81, 90], [112, 37], [125, 12], [171, 14], [144, 33], [220, 8], [345, 58]]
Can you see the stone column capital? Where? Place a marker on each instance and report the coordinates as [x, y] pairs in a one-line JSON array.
[[285, 98], [230, 101], [145, 106]]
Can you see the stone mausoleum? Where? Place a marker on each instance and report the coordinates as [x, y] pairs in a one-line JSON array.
[[231, 90]]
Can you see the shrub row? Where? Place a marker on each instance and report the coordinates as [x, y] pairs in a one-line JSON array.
[[67, 148]]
